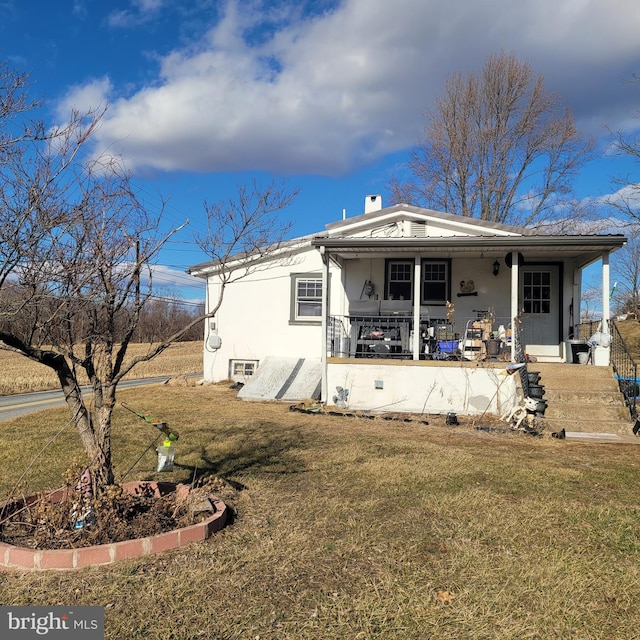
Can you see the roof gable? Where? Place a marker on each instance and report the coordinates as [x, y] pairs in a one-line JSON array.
[[407, 221]]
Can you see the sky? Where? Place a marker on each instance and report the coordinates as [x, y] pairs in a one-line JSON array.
[[206, 95]]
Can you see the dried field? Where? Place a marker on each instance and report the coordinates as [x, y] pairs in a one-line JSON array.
[[20, 375]]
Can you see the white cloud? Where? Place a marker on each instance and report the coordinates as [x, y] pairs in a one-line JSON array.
[[89, 96], [625, 198], [168, 279], [327, 92], [141, 11]]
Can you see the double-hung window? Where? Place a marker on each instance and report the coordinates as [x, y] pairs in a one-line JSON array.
[[399, 281], [435, 284], [306, 297]]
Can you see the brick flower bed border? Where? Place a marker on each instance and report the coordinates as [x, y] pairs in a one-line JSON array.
[[12, 557]]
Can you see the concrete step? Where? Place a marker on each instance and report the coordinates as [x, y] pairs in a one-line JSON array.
[[566, 375], [580, 385], [591, 398], [582, 398], [586, 370], [617, 427], [583, 411]]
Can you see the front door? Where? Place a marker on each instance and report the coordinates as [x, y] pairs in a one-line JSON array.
[[540, 308]]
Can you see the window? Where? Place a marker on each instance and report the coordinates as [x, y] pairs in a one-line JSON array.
[[240, 370], [436, 285], [306, 298], [536, 292], [399, 284]]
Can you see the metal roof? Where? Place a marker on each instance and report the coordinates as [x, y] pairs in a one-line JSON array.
[[583, 248]]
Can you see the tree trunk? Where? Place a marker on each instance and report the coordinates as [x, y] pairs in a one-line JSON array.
[[95, 438]]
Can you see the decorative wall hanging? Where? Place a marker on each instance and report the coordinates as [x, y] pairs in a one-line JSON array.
[[467, 288]]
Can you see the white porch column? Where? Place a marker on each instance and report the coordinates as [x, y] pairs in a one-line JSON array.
[[515, 269], [417, 278], [606, 288], [323, 329]]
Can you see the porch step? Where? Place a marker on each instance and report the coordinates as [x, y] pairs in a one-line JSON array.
[[574, 376], [582, 398]]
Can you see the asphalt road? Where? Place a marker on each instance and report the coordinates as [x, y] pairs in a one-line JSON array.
[[23, 403]]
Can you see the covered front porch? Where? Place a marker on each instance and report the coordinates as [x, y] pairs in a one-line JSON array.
[[406, 318]]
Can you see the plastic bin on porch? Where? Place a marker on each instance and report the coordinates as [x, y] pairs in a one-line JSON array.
[[576, 347], [448, 346]]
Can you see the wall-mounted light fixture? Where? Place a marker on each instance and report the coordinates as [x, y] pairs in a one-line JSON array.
[[496, 268]]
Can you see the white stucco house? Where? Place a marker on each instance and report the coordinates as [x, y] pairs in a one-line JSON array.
[[402, 308]]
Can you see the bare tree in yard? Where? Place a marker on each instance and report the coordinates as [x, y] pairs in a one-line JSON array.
[[243, 232], [627, 200], [625, 271], [497, 146], [76, 246], [626, 205], [165, 315]]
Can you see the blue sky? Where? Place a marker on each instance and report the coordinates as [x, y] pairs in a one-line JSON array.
[[204, 95]]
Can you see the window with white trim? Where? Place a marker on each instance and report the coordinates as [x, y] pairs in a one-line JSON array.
[[306, 297], [240, 370]]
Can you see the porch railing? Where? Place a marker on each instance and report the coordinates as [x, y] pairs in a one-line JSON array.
[[392, 336], [381, 336], [625, 369]]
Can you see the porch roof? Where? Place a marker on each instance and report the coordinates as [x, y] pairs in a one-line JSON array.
[[584, 248]]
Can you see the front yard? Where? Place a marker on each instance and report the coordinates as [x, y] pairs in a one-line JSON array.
[[358, 528]]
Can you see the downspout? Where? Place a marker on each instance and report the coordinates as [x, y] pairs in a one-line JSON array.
[[415, 345], [323, 325], [606, 299], [515, 273]]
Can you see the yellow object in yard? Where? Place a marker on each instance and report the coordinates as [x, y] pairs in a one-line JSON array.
[[166, 455]]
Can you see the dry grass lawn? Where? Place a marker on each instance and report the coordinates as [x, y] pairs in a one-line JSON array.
[[630, 332], [355, 528]]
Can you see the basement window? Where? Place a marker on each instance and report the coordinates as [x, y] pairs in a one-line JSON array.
[[240, 370]]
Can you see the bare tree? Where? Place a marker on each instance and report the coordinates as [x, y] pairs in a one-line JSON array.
[[626, 200], [76, 249], [497, 146], [75, 244], [165, 315], [243, 232], [626, 272], [14, 103], [590, 308]]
